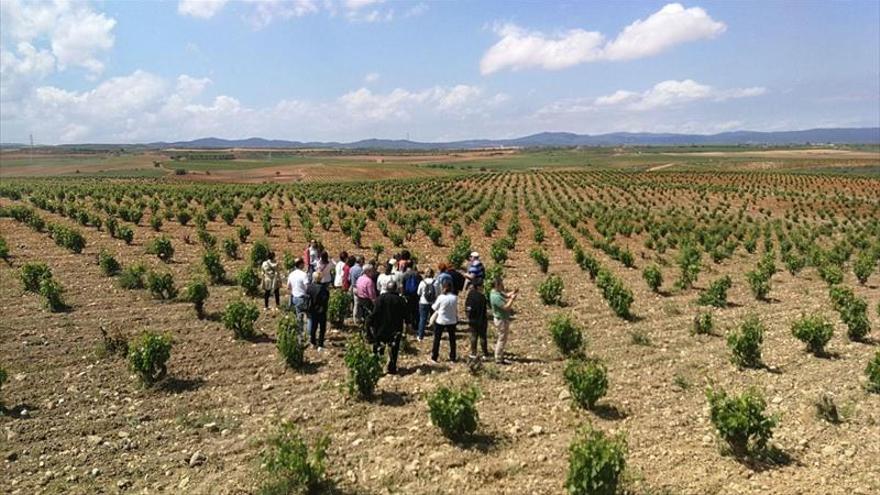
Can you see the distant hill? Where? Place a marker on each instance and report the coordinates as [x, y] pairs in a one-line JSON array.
[[867, 135], [864, 135]]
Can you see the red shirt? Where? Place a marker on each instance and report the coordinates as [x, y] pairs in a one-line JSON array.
[[346, 282]]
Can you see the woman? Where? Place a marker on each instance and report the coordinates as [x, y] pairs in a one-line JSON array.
[[427, 296], [340, 271], [385, 278], [269, 271], [319, 296], [325, 268], [445, 318], [502, 308]]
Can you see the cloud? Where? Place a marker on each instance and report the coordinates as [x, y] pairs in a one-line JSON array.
[[202, 9], [371, 77], [670, 26], [74, 35], [264, 12], [144, 107], [664, 94]]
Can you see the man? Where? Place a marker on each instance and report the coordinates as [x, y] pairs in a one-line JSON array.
[[387, 322], [477, 310], [319, 296], [411, 281], [502, 307], [365, 294], [310, 256], [354, 273], [297, 286], [475, 270]]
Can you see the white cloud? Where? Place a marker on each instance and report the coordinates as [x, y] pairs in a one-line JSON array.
[[143, 107], [670, 26], [76, 36], [416, 10], [264, 12], [662, 95], [520, 49], [371, 77], [202, 9]]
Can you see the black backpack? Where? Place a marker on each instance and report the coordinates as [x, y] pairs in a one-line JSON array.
[[430, 293]]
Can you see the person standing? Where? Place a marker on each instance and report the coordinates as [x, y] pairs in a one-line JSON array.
[[477, 309], [427, 295], [387, 321], [386, 277], [354, 273], [365, 291], [271, 283], [310, 256], [475, 270], [319, 296], [411, 282], [339, 273], [297, 285], [445, 318], [325, 268], [502, 307]]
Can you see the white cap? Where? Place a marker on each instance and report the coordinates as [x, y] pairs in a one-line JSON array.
[[475, 254], [392, 261]]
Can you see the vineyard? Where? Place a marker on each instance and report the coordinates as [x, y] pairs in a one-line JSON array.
[[663, 309]]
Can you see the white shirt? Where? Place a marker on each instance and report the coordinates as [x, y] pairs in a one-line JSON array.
[[297, 283], [382, 282], [326, 272], [421, 290], [340, 265], [446, 307]]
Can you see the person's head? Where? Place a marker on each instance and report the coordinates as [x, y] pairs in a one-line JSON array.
[[389, 266], [343, 256], [430, 273], [477, 285], [350, 261], [313, 243], [475, 256], [405, 255], [271, 255], [391, 287], [442, 267], [446, 288], [316, 277], [298, 263], [498, 283], [360, 260], [325, 258], [368, 269]]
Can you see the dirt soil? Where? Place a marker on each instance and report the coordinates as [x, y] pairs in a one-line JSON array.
[[90, 428]]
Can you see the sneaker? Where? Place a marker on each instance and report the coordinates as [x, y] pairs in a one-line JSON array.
[[472, 357], [502, 361], [320, 349], [420, 339], [433, 361]]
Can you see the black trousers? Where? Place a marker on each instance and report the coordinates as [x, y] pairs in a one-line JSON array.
[[266, 294], [412, 310], [394, 343], [317, 325], [438, 333], [478, 332]]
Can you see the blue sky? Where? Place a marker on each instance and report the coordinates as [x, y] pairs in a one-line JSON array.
[[128, 71]]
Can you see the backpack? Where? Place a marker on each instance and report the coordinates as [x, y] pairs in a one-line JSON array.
[[411, 284], [430, 293]]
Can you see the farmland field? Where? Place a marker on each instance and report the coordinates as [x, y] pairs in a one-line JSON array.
[[79, 422]]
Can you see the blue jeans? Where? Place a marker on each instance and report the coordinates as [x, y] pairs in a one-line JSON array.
[[424, 316], [296, 303]]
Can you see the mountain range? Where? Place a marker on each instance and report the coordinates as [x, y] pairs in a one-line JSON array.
[[859, 135], [866, 135]]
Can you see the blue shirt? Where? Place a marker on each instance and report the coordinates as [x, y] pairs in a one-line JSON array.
[[355, 273]]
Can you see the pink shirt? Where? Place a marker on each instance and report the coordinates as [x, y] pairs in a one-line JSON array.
[[365, 288]]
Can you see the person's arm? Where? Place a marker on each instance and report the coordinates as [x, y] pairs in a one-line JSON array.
[[509, 304]]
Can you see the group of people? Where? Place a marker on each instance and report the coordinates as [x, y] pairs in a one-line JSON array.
[[395, 297]]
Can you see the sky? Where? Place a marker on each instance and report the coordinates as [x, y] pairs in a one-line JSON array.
[[342, 70]]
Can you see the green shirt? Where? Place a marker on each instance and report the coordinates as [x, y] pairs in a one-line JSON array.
[[498, 301]]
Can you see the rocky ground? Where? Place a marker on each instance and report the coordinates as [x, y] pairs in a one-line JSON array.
[[78, 422]]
